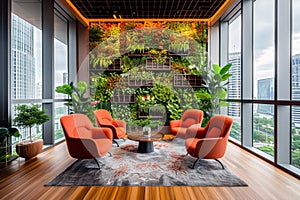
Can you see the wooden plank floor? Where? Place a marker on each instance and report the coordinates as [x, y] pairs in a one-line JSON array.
[[25, 180]]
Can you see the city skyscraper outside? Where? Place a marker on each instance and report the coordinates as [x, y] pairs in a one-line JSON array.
[[23, 60]]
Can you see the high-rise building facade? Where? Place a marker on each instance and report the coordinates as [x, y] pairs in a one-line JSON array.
[[234, 85], [22, 59], [265, 92], [296, 89]]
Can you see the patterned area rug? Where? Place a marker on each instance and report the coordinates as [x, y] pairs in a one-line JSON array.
[[166, 166]]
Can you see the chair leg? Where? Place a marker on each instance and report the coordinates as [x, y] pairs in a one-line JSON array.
[[220, 163], [195, 163], [114, 141], [97, 162]]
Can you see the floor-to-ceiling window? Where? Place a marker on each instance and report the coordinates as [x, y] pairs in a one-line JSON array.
[[41, 57], [26, 56], [234, 85], [60, 69], [269, 75], [263, 74], [295, 76]]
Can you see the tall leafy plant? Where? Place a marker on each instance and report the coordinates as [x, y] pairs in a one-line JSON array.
[[78, 103], [216, 81]]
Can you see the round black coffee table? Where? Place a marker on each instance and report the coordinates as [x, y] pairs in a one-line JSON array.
[[145, 142]]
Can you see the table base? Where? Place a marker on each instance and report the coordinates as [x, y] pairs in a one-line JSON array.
[[145, 147]]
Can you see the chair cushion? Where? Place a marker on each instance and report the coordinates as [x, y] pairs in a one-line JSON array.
[[106, 121], [188, 122], [115, 123], [104, 145], [180, 132], [190, 145], [213, 133], [120, 132], [82, 132]]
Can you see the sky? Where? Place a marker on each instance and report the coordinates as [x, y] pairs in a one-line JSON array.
[[264, 37]]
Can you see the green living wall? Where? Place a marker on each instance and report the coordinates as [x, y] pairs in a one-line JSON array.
[[148, 73]]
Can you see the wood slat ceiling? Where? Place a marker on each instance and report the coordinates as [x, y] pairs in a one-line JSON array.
[[151, 9]]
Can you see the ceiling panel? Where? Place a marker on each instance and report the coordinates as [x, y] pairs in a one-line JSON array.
[[156, 9]]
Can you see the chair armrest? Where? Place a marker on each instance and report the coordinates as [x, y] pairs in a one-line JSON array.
[[175, 123], [97, 133], [120, 123], [211, 147], [195, 131]]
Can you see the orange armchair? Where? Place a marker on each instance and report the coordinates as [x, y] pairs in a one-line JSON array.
[[83, 140], [118, 127], [189, 117], [209, 142]]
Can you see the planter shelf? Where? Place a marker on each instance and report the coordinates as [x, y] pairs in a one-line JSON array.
[[152, 113], [181, 51], [181, 80], [119, 97], [136, 81], [115, 66], [152, 65], [138, 53]]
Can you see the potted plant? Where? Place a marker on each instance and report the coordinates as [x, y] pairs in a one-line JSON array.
[[216, 84], [78, 103], [5, 142], [29, 116]]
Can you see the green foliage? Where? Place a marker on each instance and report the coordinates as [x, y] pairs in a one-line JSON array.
[[236, 131], [95, 34], [175, 111], [187, 98], [296, 158], [136, 124], [267, 149], [102, 86], [204, 103], [29, 116], [216, 81], [103, 105], [120, 111], [79, 102], [65, 89], [295, 147], [156, 39], [8, 132], [163, 94]]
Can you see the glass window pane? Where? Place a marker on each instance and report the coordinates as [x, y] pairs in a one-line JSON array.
[[234, 57], [60, 53], [296, 51], [36, 131], [263, 128], [295, 149], [263, 49], [60, 110], [26, 50], [234, 111]]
